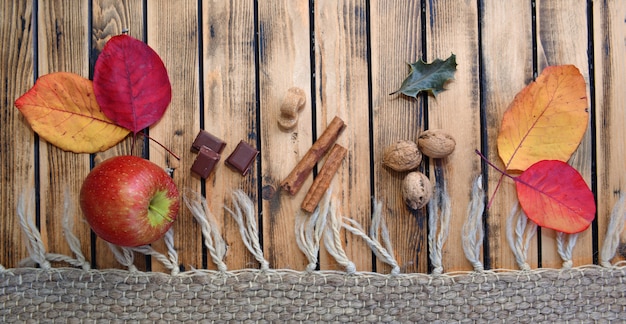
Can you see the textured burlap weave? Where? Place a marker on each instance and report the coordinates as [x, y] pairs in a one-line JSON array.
[[70, 295]]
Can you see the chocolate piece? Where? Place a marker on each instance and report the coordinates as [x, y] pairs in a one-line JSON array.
[[209, 140], [242, 157], [205, 162]]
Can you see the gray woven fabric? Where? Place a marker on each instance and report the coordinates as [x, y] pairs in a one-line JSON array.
[[71, 295]]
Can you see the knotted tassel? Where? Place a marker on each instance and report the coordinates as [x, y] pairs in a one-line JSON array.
[[383, 253], [245, 217], [171, 262], [565, 246], [332, 239], [309, 230], [472, 232], [213, 240], [613, 231], [34, 243], [439, 209], [124, 256], [72, 240], [519, 231]]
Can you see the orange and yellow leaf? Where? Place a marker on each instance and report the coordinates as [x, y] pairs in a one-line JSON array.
[[546, 120], [61, 107]]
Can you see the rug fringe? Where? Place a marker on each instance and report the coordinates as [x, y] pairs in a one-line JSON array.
[[324, 224]]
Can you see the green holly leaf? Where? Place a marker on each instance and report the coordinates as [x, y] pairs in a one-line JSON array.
[[429, 77]]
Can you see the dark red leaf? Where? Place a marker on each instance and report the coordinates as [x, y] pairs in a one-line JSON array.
[[554, 195], [131, 83]]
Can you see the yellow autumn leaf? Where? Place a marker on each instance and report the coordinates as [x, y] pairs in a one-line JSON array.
[[546, 120], [61, 107]]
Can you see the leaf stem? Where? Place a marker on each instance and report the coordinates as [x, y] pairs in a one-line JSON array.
[[161, 145], [495, 190], [503, 174], [493, 165]]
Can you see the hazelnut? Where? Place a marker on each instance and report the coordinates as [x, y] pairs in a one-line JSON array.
[[402, 156], [290, 108], [416, 190], [436, 143]]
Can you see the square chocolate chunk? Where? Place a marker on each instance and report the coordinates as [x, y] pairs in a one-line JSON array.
[[205, 162], [209, 140], [242, 157]]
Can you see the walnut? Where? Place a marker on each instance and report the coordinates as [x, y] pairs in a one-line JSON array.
[[402, 156], [416, 190], [436, 143]]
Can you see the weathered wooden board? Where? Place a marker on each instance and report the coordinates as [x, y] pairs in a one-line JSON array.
[[110, 18], [453, 28], [506, 43], [609, 33], [231, 64], [284, 61], [396, 40], [229, 97], [562, 39], [172, 29], [342, 90], [62, 46], [17, 150]]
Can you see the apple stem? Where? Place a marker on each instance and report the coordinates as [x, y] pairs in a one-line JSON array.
[[161, 145]]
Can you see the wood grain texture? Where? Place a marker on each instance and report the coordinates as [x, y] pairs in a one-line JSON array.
[[17, 158], [232, 62], [342, 90], [284, 62], [396, 41], [507, 67], [173, 34], [562, 39], [453, 28], [609, 50], [230, 109], [63, 46], [110, 18]]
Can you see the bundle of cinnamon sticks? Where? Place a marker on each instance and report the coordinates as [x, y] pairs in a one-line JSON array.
[[294, 181]]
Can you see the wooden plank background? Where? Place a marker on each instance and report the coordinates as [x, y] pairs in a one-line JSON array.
[[231, 63]]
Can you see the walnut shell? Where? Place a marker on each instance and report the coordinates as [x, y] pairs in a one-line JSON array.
[[402, 156], [416, 190], [436, 143]]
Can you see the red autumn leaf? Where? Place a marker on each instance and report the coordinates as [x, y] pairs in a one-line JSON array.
[[554, 195], [131, 83]]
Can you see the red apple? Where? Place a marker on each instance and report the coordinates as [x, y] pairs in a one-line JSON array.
[[129, 201]]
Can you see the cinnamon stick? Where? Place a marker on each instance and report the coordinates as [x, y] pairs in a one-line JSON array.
[[302, 170], [322, 182]]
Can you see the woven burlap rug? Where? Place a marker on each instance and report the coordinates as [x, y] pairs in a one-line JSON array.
[[594, 293], [584, 294]]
